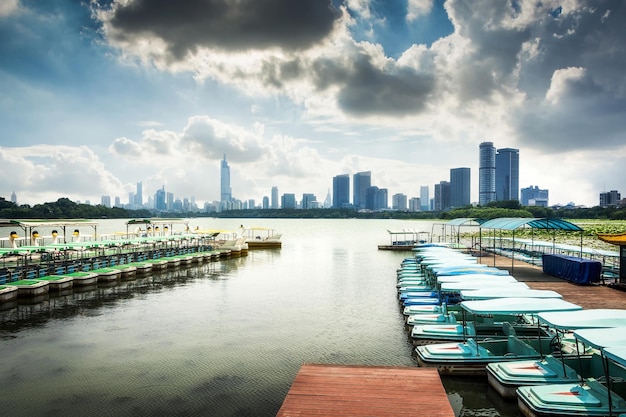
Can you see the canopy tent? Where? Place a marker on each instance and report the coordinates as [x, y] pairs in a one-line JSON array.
[[618, 239], [455, 227], [513, 223]]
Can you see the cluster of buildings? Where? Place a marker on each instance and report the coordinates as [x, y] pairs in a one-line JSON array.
[[498, 180]]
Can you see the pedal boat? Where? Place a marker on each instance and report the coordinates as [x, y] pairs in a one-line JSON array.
[[470, 357], [592, 334], [595, 397]]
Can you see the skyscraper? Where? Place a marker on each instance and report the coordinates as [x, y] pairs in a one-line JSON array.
[[442, 196], [361, 181], [226, 193], [460, 180], [139, 195], [424, 198], [274, 203], [486, 173], [341, 191], [507, 174]]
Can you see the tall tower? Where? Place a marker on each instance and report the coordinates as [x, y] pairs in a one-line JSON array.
[[139, 196], [424, 198], [507, 174], [226, 193], [361, 181], [460, 180], [341, 190], [486, 173], [274, 204]]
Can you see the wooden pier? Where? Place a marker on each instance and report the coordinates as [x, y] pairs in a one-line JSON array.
[[586, 296], [346, 390]]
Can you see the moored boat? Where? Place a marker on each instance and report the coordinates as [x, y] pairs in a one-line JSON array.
[[29, 287], [107, 274], [82, 278], [601, 396], [8, 293], [471, 356], [592, 332], [262, 238], [58, 282]]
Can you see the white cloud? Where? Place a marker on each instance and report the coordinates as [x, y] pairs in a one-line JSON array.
[[417, 8]]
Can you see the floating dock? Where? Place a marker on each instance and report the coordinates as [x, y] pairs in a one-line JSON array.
[[346, 390]]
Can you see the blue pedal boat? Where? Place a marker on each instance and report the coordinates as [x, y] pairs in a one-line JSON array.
[[595, 397], [506, 377], [471, 356]]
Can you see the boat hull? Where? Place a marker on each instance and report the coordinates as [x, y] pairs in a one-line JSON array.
[[8, 294]]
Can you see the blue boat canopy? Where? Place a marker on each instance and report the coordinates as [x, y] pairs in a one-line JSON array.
[[584, 319], [616, 354], [518, 305], [512, 223], [602, 338]]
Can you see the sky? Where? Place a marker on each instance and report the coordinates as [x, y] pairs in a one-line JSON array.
[[97, 95]]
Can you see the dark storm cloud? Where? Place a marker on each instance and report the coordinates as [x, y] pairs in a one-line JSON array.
[[226, 24], [366, 90]]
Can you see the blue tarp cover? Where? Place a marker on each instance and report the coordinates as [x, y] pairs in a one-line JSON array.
[[572, 268]]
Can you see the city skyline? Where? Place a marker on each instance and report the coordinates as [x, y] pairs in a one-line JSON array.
[[97, 96]]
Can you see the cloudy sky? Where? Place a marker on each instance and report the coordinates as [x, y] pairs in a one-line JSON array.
[[96, 96]]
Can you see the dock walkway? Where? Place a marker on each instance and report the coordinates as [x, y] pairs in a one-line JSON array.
[[347, 390], [586, 296]]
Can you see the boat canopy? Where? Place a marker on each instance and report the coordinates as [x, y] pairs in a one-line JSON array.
[[616, 354], [482, 284], [512, 223], [460, 221], [506, 292], [600, 338], [490, 278], [584, 319], [517, 305]]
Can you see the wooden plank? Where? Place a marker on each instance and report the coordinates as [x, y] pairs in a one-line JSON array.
[[347, 390]]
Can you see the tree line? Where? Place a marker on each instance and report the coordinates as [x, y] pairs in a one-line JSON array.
[[64, 208]]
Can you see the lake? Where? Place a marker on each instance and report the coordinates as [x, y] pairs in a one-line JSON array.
[[219, 339]]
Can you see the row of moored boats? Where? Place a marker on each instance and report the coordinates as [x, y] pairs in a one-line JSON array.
[[552, 356]]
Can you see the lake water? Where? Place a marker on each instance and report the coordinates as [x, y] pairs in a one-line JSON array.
[[220, 339]]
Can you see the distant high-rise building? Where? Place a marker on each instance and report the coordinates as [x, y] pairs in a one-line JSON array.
[[399, 201], [424, 198], [327, 200], [118, 202], [266, 203], [226, 191], [13, 198], [341, 191], [139, 196], [415, 204], [274, 203], [442, 196], [507, 174], [460, 180], [486, 173], [376, 198], [610, 199], [159, 199], [309, 201], [105, 200], [288, 201], [533, 196], [361, 181]]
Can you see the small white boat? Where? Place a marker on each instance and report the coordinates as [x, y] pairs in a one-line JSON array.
[[261, 238]]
